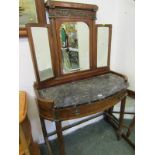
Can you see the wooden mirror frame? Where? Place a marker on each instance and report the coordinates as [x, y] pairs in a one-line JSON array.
[[109, 42], [33, 54], [88, 23], [60, 12]]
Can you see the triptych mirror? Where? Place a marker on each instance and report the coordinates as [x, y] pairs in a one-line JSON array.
[[74, 52]]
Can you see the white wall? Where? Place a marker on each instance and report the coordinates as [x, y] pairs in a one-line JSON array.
[[119, 13], [123, 55]]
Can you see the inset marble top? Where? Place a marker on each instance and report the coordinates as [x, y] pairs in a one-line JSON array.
[[84, 91]]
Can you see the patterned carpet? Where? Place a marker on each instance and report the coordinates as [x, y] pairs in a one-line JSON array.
[[95, 139]]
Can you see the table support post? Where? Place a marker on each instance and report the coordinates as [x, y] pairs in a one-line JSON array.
[[122, 109], [130, 127], [109, 111], [45, 136], [60, 137]]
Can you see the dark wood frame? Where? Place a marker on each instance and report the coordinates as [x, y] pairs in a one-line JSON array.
[[68, 113], [89, 24], [55, 21], [131, 93], [48, 112], [109, 42], [41, 16], [33, 55], [61, 78], [60, 12]]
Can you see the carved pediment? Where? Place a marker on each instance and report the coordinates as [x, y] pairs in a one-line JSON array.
[[71, 13]]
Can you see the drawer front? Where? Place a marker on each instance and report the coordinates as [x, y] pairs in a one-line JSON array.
[[88, 109]]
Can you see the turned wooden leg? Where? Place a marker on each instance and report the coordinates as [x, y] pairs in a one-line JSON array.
[[45, 136], [130, 127], [60, 137], [122, 109]]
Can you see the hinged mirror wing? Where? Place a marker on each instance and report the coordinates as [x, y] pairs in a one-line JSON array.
[[104, 33], [41, 51]]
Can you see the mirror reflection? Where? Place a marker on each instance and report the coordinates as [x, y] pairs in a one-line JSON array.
[[74, 38], [42, 52], [102, 46]]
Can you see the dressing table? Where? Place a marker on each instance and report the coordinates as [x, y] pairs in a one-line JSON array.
[[71, 59]]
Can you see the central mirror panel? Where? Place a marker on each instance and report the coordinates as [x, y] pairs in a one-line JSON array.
[[74, 37]]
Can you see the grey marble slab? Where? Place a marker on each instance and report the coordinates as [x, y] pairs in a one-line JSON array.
[[84, 91]]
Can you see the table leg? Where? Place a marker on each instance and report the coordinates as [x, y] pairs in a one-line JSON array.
[[130, 127], [60, 137], [45, 136], [109, 111], [122, 109]]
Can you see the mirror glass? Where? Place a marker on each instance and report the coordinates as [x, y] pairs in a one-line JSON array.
[[42, 52], [74, 37], [102, 46]]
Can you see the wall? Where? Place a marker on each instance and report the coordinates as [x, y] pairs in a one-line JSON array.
[[123, 55], [118, 13]]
